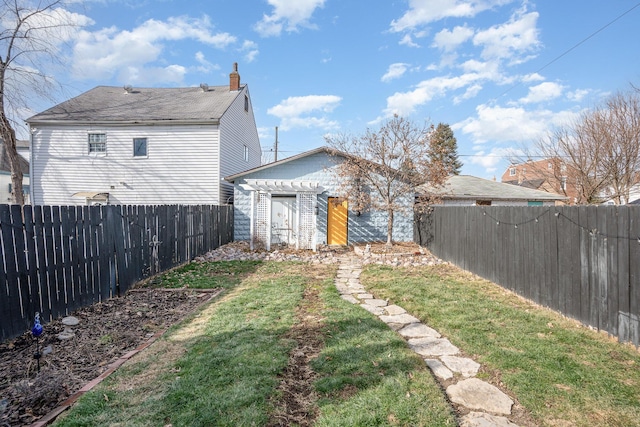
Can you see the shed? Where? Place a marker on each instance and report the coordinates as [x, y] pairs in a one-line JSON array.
[[296, 202]]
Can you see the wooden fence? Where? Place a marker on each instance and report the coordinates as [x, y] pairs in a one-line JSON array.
[[581, 261], [57, 259]]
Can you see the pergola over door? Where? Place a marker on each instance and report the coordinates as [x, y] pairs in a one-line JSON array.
[[262, 224]]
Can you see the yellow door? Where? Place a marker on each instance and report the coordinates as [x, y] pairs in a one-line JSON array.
[[337, 221]]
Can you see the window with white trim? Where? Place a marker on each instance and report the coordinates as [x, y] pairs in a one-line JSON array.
[[139, 147], [246, 153], [97, 143], [512, 171]]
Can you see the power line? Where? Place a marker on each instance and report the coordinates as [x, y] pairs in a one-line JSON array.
[[572, 48]]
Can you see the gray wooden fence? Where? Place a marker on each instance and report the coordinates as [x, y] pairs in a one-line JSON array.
[[581, 261], [57, 259]]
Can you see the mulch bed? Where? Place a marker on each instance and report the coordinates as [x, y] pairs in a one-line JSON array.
[[106, 331]]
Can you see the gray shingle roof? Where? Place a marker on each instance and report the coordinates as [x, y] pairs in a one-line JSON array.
[[114, 104], [471, 187]]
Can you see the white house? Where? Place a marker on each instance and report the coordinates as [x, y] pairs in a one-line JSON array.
[[6, 187], [144, 145]]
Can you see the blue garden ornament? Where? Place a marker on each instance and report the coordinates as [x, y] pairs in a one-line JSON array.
[[36, 331]]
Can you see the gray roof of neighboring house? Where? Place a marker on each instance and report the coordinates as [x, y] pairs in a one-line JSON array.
[[5, 166], [115, 104], [530, 183], [471, 187]]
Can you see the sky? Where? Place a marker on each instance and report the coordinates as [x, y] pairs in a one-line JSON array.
[[501, 73]]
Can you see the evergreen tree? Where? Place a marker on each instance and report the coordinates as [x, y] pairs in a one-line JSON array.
[[443, 149]]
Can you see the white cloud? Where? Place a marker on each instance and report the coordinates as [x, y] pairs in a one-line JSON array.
[[578, 95], [510, 124], [543, 92], [404, 103], [395, 71], [518, 35], [205, 66], [422, 12], [287, 15], [250, 49], [306, 111], [449, 40], [533, 77], [110, 52], [490, 159], [407, 40]]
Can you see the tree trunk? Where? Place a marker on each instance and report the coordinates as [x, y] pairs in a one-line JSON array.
[[390, 228], [9, 140]]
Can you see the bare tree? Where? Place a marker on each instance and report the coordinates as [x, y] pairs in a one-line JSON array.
[[599, 150], [31, 32], [382, 168]]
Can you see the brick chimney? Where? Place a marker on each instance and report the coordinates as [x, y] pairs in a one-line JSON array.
[[234, 78]]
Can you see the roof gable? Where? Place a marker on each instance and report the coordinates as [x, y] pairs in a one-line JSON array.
[[115, 104]]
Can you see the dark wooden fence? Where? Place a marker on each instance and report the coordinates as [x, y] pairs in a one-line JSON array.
[[581, 261], [56, 259]]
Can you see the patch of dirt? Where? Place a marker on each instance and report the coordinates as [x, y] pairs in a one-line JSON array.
[[106, 331], [296, 404]]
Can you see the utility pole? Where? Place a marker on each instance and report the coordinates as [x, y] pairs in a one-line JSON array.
[[276, 155]]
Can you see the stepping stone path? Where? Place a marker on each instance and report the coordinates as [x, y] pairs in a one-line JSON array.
[[486, 404]]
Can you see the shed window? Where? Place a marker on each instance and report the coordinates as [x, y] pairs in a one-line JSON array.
[[97, 143], [140, 147]]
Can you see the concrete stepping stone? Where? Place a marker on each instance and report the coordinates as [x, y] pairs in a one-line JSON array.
[[373, 309], [480, 419], [365, 297], [350, 298], [393, 310], [418, 330], [477, 394], [438, 369], [429, 346], [400, 318], [376, 302], [463, 365]]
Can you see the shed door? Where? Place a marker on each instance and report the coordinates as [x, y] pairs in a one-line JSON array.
[[337, 221], [283, 220]]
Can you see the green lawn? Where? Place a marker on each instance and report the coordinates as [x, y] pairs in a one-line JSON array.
[[223, 366], [562, 373]]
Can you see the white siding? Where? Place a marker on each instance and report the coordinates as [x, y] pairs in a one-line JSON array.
[[238, 129], [182, 166]]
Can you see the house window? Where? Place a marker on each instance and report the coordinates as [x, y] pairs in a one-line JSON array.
[[97, 143], [139, 147], [512, 171], [549, 165], [246, 153], [563, 183], [534, 203], [246, 103]]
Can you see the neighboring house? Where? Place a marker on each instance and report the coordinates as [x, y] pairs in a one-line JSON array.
[[144, 145], [296, 201], [466, 190], [550, 175], [6, 187]]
